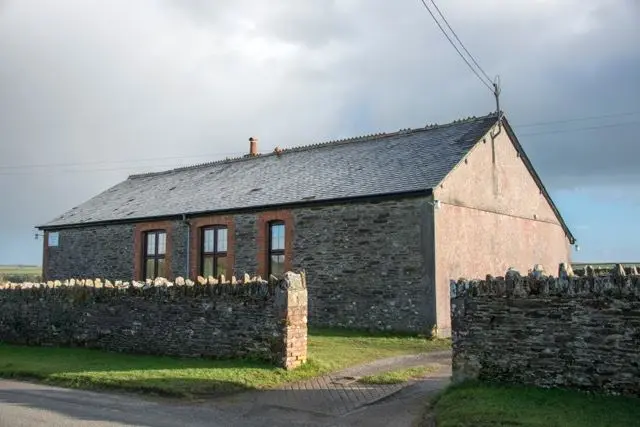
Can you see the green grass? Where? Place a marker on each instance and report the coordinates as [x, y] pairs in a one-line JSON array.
[[20, 269], [398, 376], [479, 405], [93, 369], [334, 349], [20, 273]]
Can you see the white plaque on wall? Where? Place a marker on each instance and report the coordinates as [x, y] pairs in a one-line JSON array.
[[53, 239]]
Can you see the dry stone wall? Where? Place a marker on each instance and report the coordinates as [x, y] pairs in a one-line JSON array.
[[579, 332], [249, 318]]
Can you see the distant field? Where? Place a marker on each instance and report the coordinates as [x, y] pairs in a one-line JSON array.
[[20, 269], [20, 273]]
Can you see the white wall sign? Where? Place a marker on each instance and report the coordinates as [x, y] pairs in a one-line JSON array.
[[53, 239]]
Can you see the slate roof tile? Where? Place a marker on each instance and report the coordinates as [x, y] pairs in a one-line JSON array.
[[404, 161]]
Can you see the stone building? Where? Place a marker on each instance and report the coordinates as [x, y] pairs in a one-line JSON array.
[[380, 223]]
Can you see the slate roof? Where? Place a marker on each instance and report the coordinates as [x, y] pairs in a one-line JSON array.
[[404, 161]]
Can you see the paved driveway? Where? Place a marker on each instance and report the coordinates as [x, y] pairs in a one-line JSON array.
[[27, 405]]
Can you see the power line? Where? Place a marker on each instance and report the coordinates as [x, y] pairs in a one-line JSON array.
[[610, 125], [134, 166], [577, 119], [123, 168], [491, 89], [459, 41], [46, 165]]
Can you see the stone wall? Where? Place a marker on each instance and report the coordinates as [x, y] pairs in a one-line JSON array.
[[255, 319], [370, 265], [366, 264], [98, 251], [246, 245], [568, 332]]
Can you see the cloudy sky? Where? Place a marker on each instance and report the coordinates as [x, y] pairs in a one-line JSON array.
[[92, 91]]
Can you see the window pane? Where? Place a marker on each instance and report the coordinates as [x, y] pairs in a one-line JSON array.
[[162, 243], [277, 265], [161, 268], [149, 269], [281, 240], [222, 240], [207, 241], [277, 237], [221, 266], [151, 243], [207, 266]]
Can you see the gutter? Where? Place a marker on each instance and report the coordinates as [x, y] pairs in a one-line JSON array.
[[248, 209], [186, 222]]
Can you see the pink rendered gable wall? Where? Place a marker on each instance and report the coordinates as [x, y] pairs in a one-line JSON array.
[[492, 216]]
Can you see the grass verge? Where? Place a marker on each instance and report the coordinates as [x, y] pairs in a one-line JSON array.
[[20, 269], [398, 376], [20, 273], [478, 405], [329, 350]]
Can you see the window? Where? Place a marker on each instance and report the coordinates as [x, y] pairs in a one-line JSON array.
[[53, 238], [276, 248], [214, 251], [155, 248]]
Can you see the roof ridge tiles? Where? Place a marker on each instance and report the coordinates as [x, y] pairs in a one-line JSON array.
[[300, 148]]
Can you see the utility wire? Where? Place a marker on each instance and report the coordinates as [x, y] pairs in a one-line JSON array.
[[577, 119], [46, 165], [209, 155], [121, 168], [460, 41], [488, 85], [610, 125], [173, 166]]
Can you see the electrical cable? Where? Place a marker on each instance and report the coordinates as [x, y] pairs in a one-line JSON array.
[[577, 119], [460, 41], [488, 85]]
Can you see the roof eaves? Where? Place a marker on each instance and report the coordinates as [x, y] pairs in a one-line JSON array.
[[297, 204]]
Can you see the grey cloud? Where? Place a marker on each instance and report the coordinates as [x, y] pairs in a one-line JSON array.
[[312, 24], [87, 81]]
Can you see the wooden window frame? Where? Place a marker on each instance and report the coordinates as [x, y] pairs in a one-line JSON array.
[[263, 219], [270, 250], [195, 243], [216, 254], [139, 249], [156, 256]]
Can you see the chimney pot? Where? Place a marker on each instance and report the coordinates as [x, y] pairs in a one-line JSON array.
[[253, 146]]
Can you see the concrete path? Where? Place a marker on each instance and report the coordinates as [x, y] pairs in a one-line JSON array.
[[333, 400], [340, 393]]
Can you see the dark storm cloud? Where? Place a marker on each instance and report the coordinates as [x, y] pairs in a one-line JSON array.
[[117, 82]]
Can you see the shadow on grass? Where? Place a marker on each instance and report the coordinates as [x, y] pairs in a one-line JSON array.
[[329, 350], [162, 387], [363, 333], [160, 375]]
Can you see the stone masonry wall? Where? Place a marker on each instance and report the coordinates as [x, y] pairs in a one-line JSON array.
[[370, 264], [109, 251], [246, 245], [365, 264], [100, 251], [568, 332], [253, 319]]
